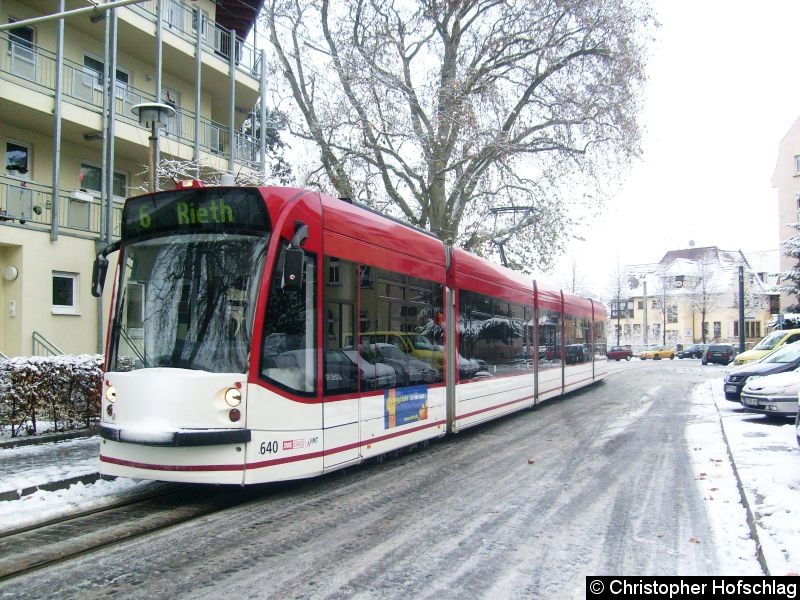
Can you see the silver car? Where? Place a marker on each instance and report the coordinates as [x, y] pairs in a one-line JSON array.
[[774, 395]]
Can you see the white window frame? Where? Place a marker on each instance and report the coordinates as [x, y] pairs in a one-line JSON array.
[[66, 309], [797, 164], [97, 193], [121, 86], [17, 174]]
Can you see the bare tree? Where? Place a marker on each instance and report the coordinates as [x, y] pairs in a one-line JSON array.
[[440, 111], [575, 280], [618, 284], [704, 297], [663, 301]]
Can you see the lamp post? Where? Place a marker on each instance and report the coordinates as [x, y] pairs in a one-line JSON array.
[[153, 115]]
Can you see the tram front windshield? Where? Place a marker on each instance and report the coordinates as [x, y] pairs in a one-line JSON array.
[[187, 301]]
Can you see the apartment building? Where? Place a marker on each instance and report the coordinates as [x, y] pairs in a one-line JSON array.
[[786, 178], [691, 291], [71, 155]]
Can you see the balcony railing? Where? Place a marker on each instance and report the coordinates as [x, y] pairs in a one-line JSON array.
[[31, 204], [181, 19], [34, 67]]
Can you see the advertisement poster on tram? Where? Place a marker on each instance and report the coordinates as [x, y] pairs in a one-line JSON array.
[[405, 405]]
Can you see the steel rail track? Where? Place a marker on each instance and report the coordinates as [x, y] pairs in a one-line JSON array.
[[58, 540]]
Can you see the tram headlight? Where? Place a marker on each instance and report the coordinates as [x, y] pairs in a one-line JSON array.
[[233, 397], [111, 394]]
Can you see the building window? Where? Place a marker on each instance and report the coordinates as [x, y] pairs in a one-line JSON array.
[[90, 180], [22, 52], [672, 314], [18, 159], [65, 293], [96, 69], [640, 305], [797, 164]]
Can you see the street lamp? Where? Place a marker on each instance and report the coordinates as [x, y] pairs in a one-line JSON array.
[[153, 115]]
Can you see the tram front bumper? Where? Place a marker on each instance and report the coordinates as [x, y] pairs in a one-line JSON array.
[[180, 438]]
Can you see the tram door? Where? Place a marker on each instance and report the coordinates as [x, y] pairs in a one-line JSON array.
[[342, 364]]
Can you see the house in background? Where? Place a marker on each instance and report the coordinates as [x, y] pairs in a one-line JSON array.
[[54, 203], [692, 291], [786, 179]]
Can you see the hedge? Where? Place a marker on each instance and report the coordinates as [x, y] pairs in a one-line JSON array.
[[55, 393]]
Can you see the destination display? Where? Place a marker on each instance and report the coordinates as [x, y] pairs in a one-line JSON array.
[[197, 210]]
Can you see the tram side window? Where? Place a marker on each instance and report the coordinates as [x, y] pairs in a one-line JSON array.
[[400, 329], [549, 339], [495, 335], [288, 342], [578, 332], [341, 361], [600, 342]]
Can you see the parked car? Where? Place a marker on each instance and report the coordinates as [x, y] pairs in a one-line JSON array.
[[657, 353], [771, 342], [575, 353], [786, 358], [415, 344], [693, 351], [374, 376], [797, 427], [619, 353], [408, 370], [721, 354], [773, 395]]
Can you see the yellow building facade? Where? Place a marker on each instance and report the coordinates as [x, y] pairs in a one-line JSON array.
[[53, 220], [692, 296]]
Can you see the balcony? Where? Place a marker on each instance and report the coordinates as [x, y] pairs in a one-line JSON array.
[[33, 67], [31, 204], [181, 19]]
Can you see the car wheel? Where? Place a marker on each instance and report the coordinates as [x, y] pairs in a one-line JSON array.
[[627, 358], [672, 357]]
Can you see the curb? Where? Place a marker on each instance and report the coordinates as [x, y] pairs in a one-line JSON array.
[[53, 486], [751, 519], [48, 437]]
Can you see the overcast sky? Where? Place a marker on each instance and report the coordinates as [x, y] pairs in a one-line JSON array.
[[722, 93]]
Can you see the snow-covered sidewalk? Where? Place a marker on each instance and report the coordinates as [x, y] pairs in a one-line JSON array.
[[766, 463], [734, 454]]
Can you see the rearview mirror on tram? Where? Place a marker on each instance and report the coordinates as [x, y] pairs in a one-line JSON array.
[[100, 269], [293, 265], [99, 275], [294, 259]]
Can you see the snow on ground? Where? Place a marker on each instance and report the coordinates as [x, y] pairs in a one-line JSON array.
[[765, 453], [767, 459], [42, 506]]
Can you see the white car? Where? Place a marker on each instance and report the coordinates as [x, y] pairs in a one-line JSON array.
[[772, 394], [375, 376]]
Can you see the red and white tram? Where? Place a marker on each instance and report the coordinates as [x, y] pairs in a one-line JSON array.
[[264, 334]]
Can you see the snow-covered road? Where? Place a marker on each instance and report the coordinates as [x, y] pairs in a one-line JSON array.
[[646, 487]]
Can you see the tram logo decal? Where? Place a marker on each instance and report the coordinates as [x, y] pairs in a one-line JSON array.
[[404, 405]]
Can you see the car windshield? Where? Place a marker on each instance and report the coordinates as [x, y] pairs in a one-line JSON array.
[[769, 342], [784, 355], [422, 343]]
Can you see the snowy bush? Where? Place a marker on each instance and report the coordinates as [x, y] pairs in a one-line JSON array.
[[54, 393]]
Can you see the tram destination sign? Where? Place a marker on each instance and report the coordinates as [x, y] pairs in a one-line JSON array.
[[195, 210]]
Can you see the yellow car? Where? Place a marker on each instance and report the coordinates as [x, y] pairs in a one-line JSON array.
[[769, 344], [657, 353]]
